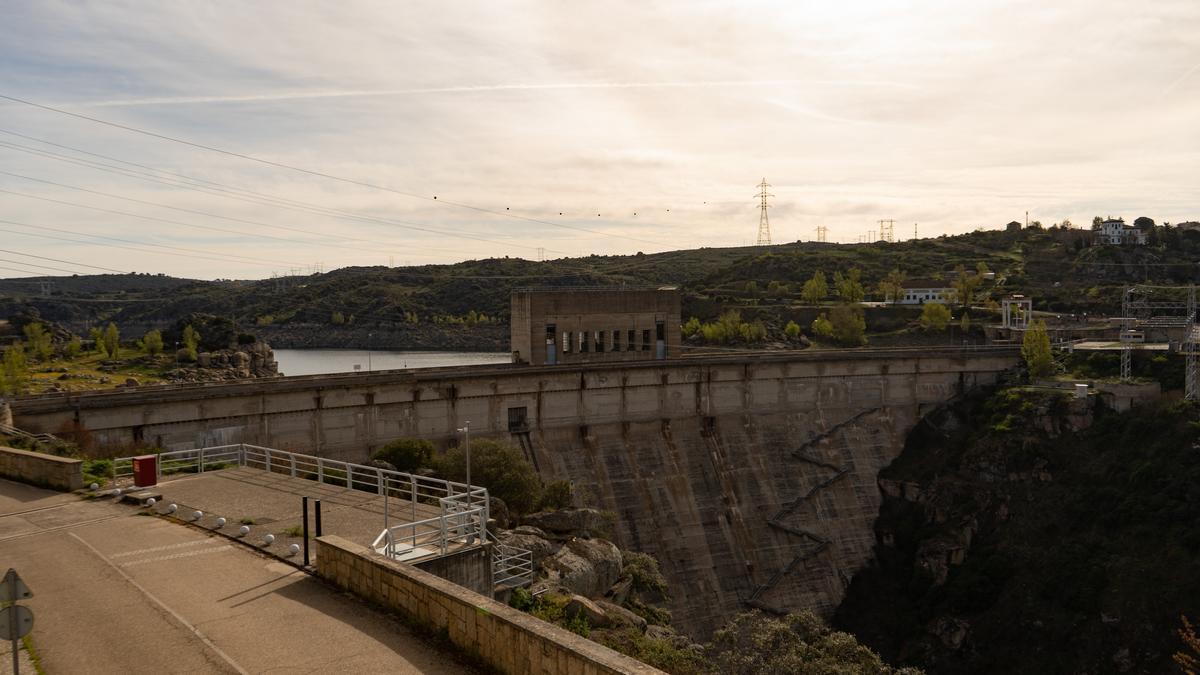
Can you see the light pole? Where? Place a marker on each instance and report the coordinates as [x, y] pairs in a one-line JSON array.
[[466, 431], [369, 336]]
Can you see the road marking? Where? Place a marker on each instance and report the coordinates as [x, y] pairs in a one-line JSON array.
[[184, 622], [173, 556], [155, 549], [60, 527]]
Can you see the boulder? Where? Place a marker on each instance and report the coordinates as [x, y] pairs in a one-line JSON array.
[[539, 547], [619, 592], [529, 529], [584, 523], [131, 382], [580, 606], [666, 634], [498, 511], [203, 359], [587, 567], [619, 616]]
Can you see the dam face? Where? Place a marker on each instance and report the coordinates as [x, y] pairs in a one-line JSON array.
[[752, 479]]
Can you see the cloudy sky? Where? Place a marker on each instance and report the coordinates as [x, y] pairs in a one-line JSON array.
[[573, 127]]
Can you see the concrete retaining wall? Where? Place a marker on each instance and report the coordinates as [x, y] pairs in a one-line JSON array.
[[502, 637], [35, 468], [471, 568]]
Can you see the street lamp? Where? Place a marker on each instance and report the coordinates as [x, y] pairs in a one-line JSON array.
[[369, 336], [465, 429]]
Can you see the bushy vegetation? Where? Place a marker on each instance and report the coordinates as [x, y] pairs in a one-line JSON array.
[[407, 454]]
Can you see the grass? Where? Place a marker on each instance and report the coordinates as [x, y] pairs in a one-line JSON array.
[[247, 521], [84, 371], [294, 531]]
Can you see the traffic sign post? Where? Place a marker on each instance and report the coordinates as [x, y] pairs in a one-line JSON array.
[[15, 620]]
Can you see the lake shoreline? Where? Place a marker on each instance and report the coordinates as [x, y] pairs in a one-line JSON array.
[[331, 361]]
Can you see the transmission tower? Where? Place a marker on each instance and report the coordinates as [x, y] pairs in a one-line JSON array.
[[764, 227], [886, 231], [822, 233]]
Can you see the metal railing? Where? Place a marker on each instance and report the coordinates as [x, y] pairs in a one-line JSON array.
[[461, 521]]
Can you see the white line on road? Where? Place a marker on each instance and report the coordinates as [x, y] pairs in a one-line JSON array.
[[186, 554], [184, 622], [168, 547]]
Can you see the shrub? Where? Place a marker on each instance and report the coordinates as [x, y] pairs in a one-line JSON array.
[[499, 467], [935, 316], [152, 343], [849, 325], [556, 495], [406, 454], [643, 569], [792, 330], [822, 327]]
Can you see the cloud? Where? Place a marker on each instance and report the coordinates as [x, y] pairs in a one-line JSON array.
[[925, 112]]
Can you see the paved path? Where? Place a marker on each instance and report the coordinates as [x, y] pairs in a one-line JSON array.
[[118, 592]]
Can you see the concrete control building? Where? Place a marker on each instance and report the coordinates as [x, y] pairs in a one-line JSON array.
[[592, 325]]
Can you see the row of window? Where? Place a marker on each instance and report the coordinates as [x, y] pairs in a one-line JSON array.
[[599, 341]]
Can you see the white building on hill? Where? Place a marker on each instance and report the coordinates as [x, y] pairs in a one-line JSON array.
[[1115, 231]]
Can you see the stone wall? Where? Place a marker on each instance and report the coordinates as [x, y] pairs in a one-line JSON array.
[[35, 468], [505, 639], [470, 568]]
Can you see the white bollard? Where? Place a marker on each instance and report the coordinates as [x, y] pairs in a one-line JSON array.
[[244, 530], [293, 549], [94, 486], [172, 508], [151, 501], [268, 540], [220, 523], [197, 515], [117, 492]]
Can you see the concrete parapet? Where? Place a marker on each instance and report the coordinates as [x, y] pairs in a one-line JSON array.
[[506, 639], [35, 468]]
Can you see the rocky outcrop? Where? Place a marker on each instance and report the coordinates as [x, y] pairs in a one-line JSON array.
[[250, 360], [585, 566], [568, 523]]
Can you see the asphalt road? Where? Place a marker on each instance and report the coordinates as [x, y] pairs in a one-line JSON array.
[[119, 592]]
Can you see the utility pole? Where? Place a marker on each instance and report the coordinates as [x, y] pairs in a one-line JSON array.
[[466, 431], [886, 230], [764, 227], [914, 230]]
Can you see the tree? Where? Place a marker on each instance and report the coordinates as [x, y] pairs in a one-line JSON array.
[[981, 268], [191, 342], [934, 316], [337, 319], [849, 326], [892, 286], [849, 287], [97, 337], [1188, 658], [1035, 349], [1097, 222], [73, 347], [407, 454], [821, 327], [499, 467], [112, 341], [964, 324], [815, 289], [752, 288], [691, 327], [40, 344], [777, 289], [152, 342], [753, 643], [964, 285], [792, 330], [13, 369]]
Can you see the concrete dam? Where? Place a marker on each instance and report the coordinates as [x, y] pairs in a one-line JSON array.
[[750, 477]]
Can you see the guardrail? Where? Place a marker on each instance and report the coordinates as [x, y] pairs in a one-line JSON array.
[[463, 508]]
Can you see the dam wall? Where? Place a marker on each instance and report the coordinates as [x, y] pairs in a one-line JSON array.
[[752, 478]]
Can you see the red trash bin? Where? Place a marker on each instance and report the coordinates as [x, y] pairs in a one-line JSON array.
[[145, 471]]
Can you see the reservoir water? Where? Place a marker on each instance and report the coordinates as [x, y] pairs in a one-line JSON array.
[[322, 361]]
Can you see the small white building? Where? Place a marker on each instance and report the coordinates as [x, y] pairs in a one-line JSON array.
[[1115, 231], [921, 291]]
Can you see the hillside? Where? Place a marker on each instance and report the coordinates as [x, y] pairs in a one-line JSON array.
[[431, 306], [1027, 533]]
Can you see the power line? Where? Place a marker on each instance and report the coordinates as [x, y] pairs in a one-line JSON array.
[[96, 243], [312, 172], [47, 267], [151, 218], [57, 260], [29, 272], [248, 196]]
